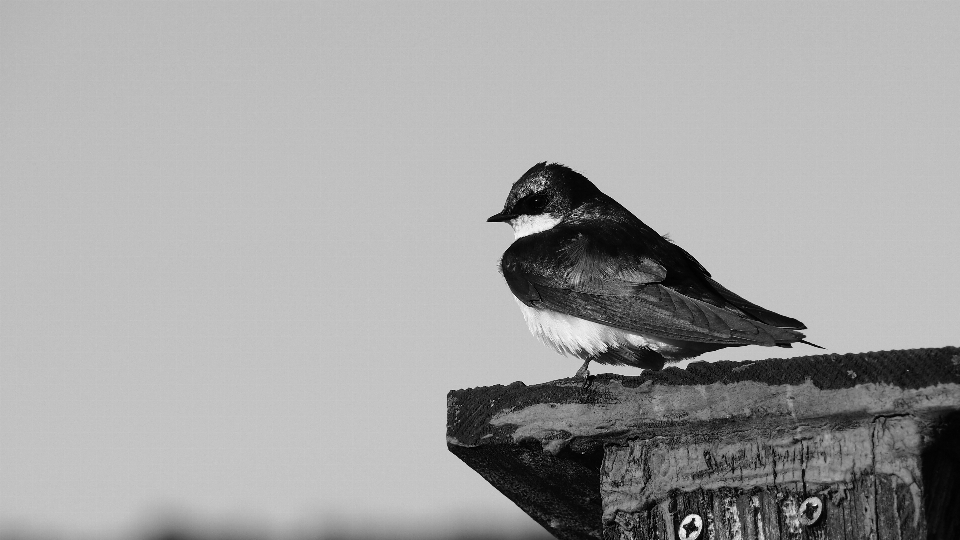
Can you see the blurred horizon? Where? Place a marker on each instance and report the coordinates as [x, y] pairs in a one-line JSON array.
[[180, 531]]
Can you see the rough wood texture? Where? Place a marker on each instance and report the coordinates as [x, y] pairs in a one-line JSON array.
[[875, 436]]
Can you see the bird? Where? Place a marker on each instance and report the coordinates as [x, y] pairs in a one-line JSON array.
[[596, 283]]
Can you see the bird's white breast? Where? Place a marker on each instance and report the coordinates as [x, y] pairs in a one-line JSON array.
[[579, 337], [527, 225]]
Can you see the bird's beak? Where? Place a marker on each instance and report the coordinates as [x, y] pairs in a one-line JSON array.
[[502, 216]]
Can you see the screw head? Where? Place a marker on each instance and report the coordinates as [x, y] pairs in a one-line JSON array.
[[690, 527], [810, 510]]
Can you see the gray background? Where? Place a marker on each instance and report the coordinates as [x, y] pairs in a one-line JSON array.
[[243, 254]]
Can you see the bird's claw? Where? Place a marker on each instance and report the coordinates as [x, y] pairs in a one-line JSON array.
[[584, 373]]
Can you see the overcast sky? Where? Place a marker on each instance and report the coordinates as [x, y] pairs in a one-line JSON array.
[[243, 254]]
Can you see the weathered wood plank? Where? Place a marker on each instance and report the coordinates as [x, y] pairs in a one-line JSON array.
[[844, 499], [706, 507], [748, 524], [865, 502], [740, 444], [769, 513], [789, 524], [831, 525], [721, 521], [912, 525], [688, 503], [888, 522]]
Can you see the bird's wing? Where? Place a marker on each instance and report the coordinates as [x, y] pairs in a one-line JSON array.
[[614, 278], [759, 313], [731, 299]]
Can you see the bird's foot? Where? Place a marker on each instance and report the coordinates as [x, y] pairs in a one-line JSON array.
[[584, 373]]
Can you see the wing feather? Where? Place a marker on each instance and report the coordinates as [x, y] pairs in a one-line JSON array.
[[629, 277]]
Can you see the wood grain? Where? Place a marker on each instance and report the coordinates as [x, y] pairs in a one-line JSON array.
[[740, 444]]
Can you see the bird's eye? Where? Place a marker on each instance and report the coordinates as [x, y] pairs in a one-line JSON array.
[[536, 203]]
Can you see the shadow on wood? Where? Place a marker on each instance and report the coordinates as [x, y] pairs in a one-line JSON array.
[[855, 446]]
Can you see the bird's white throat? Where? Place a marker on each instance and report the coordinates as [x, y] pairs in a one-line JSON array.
[[527, 225]]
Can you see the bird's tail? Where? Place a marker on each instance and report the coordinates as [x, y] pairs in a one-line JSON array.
[[789, 344]]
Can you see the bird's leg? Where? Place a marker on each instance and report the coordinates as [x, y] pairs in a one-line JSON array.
[[583, 372]]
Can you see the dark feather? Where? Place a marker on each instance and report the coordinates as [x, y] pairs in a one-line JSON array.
[[632, 356], [757, 312], [605, 265]]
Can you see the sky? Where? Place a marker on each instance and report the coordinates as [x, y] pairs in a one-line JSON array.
[[243, 248]]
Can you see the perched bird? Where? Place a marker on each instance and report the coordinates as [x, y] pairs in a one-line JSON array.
[[596, 283]]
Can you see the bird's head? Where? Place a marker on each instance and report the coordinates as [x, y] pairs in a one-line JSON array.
[[543, 196]]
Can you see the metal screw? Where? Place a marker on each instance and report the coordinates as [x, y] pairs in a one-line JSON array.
[[690, 527], [810, 510]]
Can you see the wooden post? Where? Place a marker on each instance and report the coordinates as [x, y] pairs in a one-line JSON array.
[[846, 447]]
